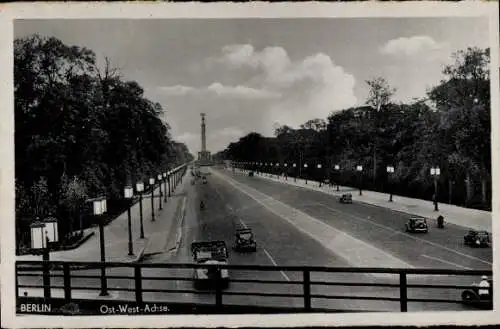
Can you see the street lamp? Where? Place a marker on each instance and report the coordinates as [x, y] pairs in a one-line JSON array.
[[319, 170], [360, 170], [286, 171], [337, 170], [164, 186], [169, 181], [435, 172], [152, 185], [161, 192], [390, 172], [128, 192], [139, 186], [305, 166], [295, 173], [51, 229], [99, 209], [41, 234]]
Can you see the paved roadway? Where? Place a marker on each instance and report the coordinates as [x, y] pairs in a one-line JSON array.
[[281, 243]]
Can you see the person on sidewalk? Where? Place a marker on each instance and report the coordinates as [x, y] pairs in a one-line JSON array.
[[484, 288]]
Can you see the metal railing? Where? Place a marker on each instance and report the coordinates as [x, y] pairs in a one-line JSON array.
[[301, 288]]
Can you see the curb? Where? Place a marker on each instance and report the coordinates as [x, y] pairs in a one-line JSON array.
[[180, 214], [181, 221], [139, 257]]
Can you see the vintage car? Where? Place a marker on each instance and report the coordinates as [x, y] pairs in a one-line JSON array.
[[477, 239], [346, 198], [250, 173], [471, 297], [416, 225], [244, 240], [210, 253]]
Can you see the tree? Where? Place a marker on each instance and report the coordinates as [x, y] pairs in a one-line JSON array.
[[74, 194], [75, 120], [379, 96], [463, 99]]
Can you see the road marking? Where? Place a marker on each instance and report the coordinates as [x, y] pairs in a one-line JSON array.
[[275, 264], [296, 212], [446, 262], [406, 234]]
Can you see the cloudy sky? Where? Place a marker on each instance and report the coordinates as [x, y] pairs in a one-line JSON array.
[[249, 74]]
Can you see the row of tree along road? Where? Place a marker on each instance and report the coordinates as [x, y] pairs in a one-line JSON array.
[[449, 128], [80, 131]]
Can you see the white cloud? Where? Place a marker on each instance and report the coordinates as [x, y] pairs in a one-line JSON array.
[[410, 46], [241, 91], [218, 89], [177, 90], [311, 87]]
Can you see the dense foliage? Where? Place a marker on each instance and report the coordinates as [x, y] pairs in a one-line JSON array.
[[80, 131], [450, 128]]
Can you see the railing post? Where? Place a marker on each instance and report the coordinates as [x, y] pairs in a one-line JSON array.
[[67, 283], [17, 281], [307, 289], [403, 292], [218, 288], [46, 274], [138, 284]]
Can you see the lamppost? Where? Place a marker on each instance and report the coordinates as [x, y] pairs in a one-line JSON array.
[[42, 234], [277, 170], [435, 172], [320, 176], [305, 168], [286, 171], [99, 209], [152, 185], [360, 171], [294, 172], [128, 192], [390, 172], [337, 170], [164, 186], [139, 186], [169, 181], [160, 177]]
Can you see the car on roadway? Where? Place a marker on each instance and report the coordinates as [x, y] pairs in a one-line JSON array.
[[245, 240], [210, 253], [475, 238], [346, 198], [204, 179], [416, 224], [471, 297]]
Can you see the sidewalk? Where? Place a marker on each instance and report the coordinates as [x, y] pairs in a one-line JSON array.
[[465, 217], [116, 233]]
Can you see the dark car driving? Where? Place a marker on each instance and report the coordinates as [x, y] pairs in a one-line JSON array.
[[346, 198], [416, 225], [245, 240], [477, 239]]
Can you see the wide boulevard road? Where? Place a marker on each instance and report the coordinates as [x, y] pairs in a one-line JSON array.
[[375, 238], [299, 227]]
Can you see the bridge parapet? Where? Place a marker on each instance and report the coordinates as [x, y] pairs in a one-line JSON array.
[[249, 289]]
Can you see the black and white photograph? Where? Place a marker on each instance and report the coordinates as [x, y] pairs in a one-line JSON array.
[[237, 166]]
